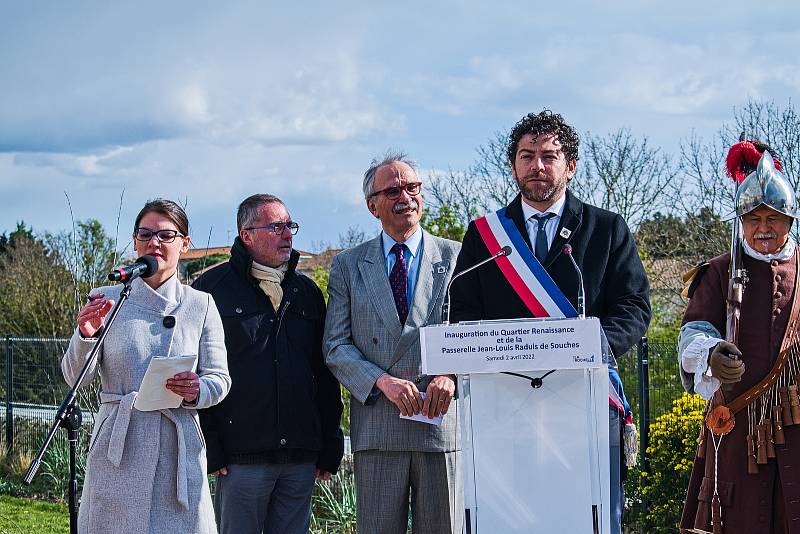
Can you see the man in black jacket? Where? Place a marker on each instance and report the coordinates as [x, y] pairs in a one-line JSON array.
[[543, 153], [278, 428]]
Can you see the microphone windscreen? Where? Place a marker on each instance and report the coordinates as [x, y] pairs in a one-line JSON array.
[[150, 263], [507, 250]]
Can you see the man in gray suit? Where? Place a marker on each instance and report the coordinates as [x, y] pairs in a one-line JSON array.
[[380, 293]]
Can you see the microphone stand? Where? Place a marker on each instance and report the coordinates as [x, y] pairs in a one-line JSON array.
[[505, 251], [581, 291], [69, 417]]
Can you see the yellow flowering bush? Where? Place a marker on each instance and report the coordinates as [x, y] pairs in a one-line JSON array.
[[655, 497]]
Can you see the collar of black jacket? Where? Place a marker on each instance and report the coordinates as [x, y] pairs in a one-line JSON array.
[[570, 219], [241, 262]]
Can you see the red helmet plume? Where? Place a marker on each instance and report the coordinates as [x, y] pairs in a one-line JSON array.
[[743, 159]]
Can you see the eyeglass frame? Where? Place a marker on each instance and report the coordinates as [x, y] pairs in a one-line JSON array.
[[154, 233], [399, 189], [293, 227]]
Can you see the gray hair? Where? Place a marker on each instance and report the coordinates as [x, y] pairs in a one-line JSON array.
[[391, 156], [248, 209]]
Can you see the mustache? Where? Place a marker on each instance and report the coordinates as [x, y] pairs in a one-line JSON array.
[[536, 175], [400, 206], [767, 235]]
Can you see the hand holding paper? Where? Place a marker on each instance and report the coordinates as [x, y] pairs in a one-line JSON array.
[[437, 421], [153, 393], [186, 384]]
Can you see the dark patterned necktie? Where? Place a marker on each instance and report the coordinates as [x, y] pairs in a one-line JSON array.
[[398, 279], [541, 247]]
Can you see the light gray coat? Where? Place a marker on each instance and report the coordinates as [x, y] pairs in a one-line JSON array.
[[146, 471], [364, 338]]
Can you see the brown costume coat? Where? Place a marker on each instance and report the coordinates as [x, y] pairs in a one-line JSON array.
[[755, 504]]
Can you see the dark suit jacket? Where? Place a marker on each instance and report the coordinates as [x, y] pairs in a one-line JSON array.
[[616, 285]]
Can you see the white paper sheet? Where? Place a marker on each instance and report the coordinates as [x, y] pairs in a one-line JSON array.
[[436, 421], [153, 393]]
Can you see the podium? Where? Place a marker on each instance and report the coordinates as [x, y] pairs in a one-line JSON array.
[[534, 442]]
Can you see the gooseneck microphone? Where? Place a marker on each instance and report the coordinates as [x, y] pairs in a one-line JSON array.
[[503, 252], [144, 267], [581, 291]]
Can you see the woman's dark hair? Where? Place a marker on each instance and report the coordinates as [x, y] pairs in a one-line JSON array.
[[169, 209]]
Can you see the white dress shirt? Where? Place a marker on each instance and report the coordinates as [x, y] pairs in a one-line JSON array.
[[550, 226]]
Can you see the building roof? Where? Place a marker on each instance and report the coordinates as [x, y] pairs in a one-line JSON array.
[[199, 253], [323, 259], [665, 274]]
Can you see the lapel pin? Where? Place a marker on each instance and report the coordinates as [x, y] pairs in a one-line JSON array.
[[565, 233], [441, 269]]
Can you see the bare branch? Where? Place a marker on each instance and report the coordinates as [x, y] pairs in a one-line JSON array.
[[623, 174], [116, 230]]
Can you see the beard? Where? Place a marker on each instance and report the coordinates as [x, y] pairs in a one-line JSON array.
[[541, 191], [542, 195]]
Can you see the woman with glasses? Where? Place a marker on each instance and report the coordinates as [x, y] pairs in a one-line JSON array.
[[146, 470]]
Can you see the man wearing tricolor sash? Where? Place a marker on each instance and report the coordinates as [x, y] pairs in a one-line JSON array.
[[538, 279]]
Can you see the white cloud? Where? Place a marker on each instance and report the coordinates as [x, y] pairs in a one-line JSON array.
[[214, 101], [223, 76], [103, 163], [194, 102]]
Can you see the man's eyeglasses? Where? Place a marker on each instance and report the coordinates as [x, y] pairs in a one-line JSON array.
[[393, 193], [278, 227], [146, 234]]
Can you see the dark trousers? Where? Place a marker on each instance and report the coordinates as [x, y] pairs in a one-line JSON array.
[[265, 498]]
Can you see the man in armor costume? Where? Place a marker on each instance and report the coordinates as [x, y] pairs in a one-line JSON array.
[[738, 349]]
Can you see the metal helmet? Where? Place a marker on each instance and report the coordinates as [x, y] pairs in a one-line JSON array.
[[766, 186]]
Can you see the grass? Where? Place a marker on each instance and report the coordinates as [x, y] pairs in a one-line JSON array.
[[334, 502], [22, 516]]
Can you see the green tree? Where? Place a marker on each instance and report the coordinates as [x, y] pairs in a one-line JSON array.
[[43, 279], [8, 240], [443, 222], [320, 277], [672, 236], [36, 296]]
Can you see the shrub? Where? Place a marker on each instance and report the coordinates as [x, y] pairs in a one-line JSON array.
[[655, 496], [334, 502]]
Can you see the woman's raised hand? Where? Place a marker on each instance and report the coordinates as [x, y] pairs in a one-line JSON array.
[[93, 313]]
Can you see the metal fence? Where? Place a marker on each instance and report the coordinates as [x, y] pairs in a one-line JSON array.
[[32, 387], [652, 381]]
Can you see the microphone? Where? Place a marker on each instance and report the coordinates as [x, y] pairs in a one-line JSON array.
[[145, 267], [503, 252], [581, 291]]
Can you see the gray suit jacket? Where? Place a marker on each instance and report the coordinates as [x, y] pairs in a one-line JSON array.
[[364, 338]]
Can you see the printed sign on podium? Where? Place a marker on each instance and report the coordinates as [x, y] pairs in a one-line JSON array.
[[535, 458], [520, 345]]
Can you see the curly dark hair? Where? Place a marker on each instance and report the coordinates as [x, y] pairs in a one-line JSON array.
[[538, 124]]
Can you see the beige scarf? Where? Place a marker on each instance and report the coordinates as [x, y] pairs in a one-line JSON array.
[[270, 281]]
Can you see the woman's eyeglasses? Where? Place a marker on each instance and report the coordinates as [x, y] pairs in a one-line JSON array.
[[393, 193], [278, 227], [146, 234]]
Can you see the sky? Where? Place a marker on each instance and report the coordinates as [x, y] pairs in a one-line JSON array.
[[207, 103]]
